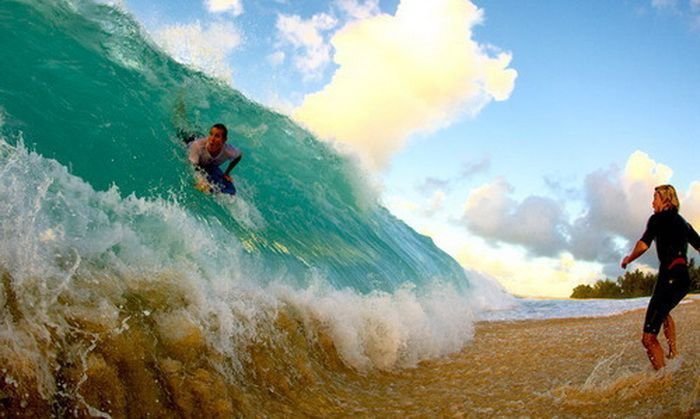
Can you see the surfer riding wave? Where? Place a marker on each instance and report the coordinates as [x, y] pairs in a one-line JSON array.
[[207, 154]]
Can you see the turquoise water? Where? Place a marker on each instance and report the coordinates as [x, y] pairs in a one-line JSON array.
[[125, 291], [96, 189], [82, 85]]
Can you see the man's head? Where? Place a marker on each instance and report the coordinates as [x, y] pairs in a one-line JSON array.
[[218, 134], [665, 197]]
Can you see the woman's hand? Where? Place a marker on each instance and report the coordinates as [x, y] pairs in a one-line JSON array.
[[625, 261]]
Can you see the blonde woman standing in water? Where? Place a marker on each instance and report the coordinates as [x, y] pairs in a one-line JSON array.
[[672, 235]]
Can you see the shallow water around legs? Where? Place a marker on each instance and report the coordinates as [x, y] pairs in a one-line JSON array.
[[566, 368]]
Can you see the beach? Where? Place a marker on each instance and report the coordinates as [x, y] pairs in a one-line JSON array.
[[592, 367], [125, 292], [581, 367]]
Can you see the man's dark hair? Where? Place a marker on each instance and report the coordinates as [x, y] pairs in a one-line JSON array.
[[223, 128]]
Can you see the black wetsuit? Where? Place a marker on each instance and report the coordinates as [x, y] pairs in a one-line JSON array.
[[672, 235]]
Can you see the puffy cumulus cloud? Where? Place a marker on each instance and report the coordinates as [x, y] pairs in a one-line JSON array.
[[532, 247], [623, 212], [398, 75], [204, 48], [235, 7], [536, 223], [617, 204], [690, 205], [512, 266], [307, 37], [591, 236]]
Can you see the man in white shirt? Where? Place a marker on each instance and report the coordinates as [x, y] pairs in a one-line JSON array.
[[208, 153]]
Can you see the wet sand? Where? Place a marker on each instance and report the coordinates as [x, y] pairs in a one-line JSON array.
[[161, 366], [592, 367]]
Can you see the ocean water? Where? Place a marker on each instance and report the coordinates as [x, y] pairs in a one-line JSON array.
[[125, 290], [540, 309]]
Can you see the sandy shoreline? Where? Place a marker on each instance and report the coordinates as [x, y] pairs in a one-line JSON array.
[[573, 367], [544, 368]]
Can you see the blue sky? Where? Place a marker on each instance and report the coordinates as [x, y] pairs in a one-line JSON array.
[[524, 137]]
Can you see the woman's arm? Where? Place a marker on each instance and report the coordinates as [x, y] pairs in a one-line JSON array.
[[638, 251]]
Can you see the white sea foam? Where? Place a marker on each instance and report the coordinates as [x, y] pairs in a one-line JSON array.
[[62, 229], [385, 330], [56, 227]]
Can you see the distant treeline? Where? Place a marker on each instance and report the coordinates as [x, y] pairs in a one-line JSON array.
[[631, 285]]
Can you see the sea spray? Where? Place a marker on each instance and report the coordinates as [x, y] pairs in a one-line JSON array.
[[63, 226], [614, 379], [126, 291]]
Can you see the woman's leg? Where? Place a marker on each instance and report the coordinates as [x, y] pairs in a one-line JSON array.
[[654, 318], [670, 333], [654, 350], [679, 285]]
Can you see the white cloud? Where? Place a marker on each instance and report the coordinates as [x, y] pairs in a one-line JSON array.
[[536, 222], [690, 205], [307, 37], [358, 10], [399, 75], [617, 204], [220, 6], [205, 49], [533, 248]]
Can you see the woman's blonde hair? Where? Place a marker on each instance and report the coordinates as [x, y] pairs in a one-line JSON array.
[[668, 196]]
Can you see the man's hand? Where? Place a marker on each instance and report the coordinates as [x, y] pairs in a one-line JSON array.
[[201, 183], [228, 178]]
